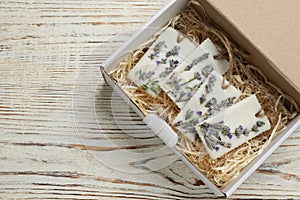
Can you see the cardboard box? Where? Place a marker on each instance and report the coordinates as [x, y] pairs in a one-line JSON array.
[[270, 42]]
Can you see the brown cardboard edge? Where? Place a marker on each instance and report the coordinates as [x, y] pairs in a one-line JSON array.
[[256, 57], [285, 30]]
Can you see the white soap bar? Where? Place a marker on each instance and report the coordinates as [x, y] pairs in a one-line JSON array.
[[164, 55], [209, 99], [222, 66], [203, 56], [184, 81], [182, 87], [232, 127]]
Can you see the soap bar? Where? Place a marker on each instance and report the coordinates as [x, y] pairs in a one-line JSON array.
[[164, 55], [209, 99], [232, 127], [203, 56], [186, 79], [222, 65], [182, 87]]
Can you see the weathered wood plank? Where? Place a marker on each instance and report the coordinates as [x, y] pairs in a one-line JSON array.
[[60, 135]]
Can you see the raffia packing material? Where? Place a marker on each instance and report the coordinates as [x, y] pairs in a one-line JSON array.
[[169, 12]]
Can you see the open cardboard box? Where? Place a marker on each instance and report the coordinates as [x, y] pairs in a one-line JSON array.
[[269, 44]]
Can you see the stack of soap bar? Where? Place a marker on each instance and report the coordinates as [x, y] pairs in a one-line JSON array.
[[232, 127], [187, 78], [193, 79], [209, 99], [162, 58]]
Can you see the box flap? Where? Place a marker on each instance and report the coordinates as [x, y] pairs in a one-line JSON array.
[[273, 27]]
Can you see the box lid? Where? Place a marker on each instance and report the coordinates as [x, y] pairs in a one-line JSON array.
[[273, 26]]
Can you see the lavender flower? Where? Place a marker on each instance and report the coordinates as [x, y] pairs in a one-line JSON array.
[[255, 128], [146, 75], [206, 71], [260, 123], [246, 132], [157, 49], [188, 67], [179, 123], [202, 99], [173, 52], [173, 63], [163, 61], [188, 115], [239, 130], [200, 59], [199, 113], [211, 102], [197, 76]]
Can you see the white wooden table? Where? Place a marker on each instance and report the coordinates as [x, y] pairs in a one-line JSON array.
[[60, 137]]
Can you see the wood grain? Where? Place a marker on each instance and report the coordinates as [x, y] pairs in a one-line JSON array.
[[66, 134]]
